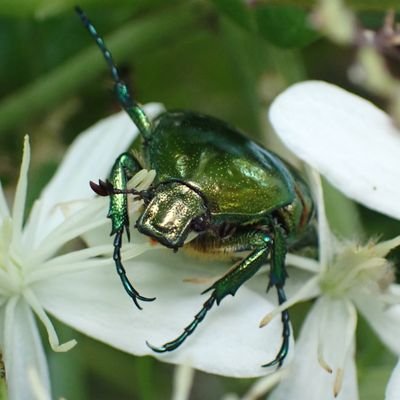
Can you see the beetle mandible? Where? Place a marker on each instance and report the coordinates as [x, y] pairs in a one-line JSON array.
[[210, 179]]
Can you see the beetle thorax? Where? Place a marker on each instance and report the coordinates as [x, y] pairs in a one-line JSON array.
[[171, 213]]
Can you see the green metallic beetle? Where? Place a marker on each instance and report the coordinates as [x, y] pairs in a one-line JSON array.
[[211, 180]]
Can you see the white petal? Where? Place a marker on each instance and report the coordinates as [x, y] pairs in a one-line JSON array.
[[306, 379], [83, 220], [383, 319], [393, 387], [346, 138], [4, 211], [20, 194], [227, 342], [23, 353], [90, 157]]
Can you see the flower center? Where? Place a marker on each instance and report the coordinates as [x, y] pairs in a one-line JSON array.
[[356, 269]]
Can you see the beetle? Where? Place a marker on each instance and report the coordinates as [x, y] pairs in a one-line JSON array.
[[238, 197]]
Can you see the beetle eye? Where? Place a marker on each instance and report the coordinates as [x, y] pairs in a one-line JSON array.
[[146, 196]]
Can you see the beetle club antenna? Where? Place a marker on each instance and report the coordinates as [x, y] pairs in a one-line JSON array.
[[135, 112]]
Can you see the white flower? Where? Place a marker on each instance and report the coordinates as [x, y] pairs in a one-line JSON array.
[[355, 146], [28, 261]]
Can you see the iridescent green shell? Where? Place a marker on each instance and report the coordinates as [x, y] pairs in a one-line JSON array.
[[238, 177]]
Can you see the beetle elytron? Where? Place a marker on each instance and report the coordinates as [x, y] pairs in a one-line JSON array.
[[211, 180]]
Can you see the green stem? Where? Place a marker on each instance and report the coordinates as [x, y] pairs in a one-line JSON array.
[[343, 214], [145, 372], [288, 64], [241, 47], [43, 94]]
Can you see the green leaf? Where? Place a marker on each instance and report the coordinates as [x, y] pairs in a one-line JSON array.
[[237, 11], [377, 5], [285, 26]]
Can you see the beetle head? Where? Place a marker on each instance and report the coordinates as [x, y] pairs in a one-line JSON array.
[[175, 209]]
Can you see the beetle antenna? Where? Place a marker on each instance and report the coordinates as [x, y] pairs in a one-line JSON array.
[[133, 109]]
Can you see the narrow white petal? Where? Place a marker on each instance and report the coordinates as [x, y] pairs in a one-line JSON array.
[[346, 138], [263, 385], [304, 263], [4, 211], [23, 352], [307, 291], [337, 326], [381, 249], [31, 228], [65, 268], [90, 157], [393, 387], [89, 217], [385, 320], [227, 342], [325, 237], [20, 194], [306, 379], [51, 332]]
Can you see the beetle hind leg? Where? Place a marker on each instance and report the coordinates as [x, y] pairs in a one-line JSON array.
[[172, 345], [228, 284]]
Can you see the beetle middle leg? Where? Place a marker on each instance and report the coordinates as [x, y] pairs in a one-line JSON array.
[[261, 245], [277, 278], [124, 168]]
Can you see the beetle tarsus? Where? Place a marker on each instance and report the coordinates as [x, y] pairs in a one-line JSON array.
[[283, 351], [170, 346], [132, 292], [106, 188]]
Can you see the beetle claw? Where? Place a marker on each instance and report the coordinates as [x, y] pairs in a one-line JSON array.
[[102, 188], [161, 349], [135, 296], [145, 298]]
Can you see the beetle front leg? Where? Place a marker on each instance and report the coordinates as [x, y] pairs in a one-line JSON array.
[[260, 244], [124, 168]]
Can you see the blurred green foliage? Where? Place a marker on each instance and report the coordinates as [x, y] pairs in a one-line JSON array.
[[219, 57]]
